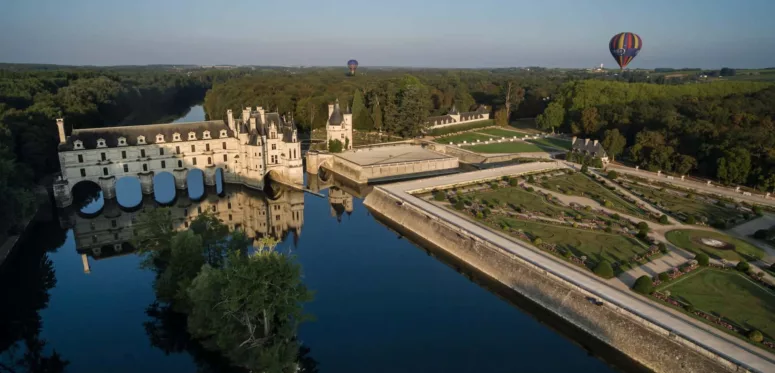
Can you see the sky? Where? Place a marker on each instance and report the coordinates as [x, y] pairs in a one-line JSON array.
[[416, 33]]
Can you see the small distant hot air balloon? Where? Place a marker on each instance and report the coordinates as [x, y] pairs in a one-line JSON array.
[[353, 65], [624, 47]]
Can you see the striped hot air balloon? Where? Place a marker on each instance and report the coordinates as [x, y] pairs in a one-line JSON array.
[[624, 47]]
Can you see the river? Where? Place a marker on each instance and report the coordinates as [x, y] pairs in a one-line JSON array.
[[381, 304]]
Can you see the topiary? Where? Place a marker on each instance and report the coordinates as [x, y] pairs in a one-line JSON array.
[[612, 175], [608, 204], [663, 219], [643, 226], [584, 168], [459, 205], [663, 276], [604, 269], [691, 219], [690, 308], [662, 247], [439, 196], [743, 266], [643, 285], [513, 182], [537, 241], [755, 335], [702, 259], [757, 210]]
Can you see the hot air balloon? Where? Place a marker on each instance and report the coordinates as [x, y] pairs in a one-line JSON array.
[[624, 47], [353, 65]]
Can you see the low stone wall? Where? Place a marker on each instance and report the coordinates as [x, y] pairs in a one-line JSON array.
[[650, 345]]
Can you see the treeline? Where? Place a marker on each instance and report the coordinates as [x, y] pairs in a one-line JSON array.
[[721, 130], [395, 101], [32, 97]]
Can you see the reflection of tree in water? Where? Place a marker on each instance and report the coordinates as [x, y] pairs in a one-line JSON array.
[[84, 193], [32, 274], [230, 309]]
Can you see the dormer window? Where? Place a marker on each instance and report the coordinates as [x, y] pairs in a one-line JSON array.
[[176, 137], [223, 133], [121, 141], [77, 144], [192, 135], [140, 140], [101, 143], [206, 134], [159, 138]]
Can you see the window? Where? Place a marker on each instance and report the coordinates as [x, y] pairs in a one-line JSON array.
[[126, 168], [294, 154], [103, 156], [225, 158], [105, 171], [145, 167], [193, 148], [101, 143], [229, 217], [342, 135], [277, 217], [123, 154], [177, 150], [78, 144], [141, 139], [207, 147], [228, 205], [113, 223], [192, 135], [163, 164], [224, 144], [194, 161], [115, 236], [122, 141], [212, 208], [161, 151], [209, 160], [206, 134], [199, 209], [159, 138], [185, 223], [274, 146], [180, 163], [142, 153], [80, 158], [223, 133], [176, 137], [83, 172]]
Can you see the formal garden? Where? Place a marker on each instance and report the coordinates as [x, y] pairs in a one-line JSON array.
[[734, 299], [691, 208], [598, 240], [715, 244]]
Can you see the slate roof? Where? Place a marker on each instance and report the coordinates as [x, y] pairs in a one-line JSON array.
[[336, 116], [89, 136], [588, 146]]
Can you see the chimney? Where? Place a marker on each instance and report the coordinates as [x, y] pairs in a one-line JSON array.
[[595, 143], [252, 123], [61, 128], [330, 110], [230, 119], [246, 115], [262, 113], [586, 142], [573, 140]]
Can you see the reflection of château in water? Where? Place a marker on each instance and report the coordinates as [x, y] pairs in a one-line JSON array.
[[111, 232], [340, 191]]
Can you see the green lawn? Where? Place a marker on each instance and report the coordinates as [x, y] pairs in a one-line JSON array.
[[595, 245], [506, 147], [468, 137], [689, 240], [524, 123], [685, 205], [499, 132], [581, 185], [553, 142], [730, 295], [522, 198]]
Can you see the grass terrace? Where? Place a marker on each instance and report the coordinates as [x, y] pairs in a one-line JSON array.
[[730, 295], [581, 185], [552, 142], [500, 132], [715, 244], [468, 137], [507, 147]]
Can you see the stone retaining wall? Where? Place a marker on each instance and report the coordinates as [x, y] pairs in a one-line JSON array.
[[649, 344]]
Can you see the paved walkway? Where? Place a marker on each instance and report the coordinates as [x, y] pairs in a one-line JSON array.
[[704, 335]]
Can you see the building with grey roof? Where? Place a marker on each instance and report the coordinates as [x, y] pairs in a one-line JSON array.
[[454, 117], [589, 147]]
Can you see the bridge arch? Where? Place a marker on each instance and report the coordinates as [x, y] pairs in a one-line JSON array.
[[195, 181], [129, 193], [164, 188], [88, 198]]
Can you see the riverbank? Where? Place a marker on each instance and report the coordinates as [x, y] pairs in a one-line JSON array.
[[657, 339]]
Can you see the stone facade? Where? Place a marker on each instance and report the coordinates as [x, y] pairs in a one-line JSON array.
[[455, 118], [339, 126], [246, 150]]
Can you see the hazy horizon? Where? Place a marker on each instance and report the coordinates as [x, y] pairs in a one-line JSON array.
[[402, 34]]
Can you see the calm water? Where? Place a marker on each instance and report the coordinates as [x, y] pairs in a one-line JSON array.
[[381, 303]]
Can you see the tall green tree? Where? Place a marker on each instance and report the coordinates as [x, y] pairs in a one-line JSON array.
[[552, 117], [614, 143], [734, 166], [376, 114], [361, 117]]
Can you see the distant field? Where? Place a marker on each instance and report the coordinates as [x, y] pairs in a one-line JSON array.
[[552, 142], [499, 132], [690, 239], [730, 295], [506, 147], [467, 137]]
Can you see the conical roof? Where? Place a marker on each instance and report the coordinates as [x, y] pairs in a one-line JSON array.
[[336, 117]]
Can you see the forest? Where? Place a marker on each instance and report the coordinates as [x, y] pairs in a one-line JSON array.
[[722, 130]]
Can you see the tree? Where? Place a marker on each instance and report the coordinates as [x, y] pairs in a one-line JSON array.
[[743, 266], [662, 248], [734, 166], [755, 336], [584, 168], [664, 277], [538, 241], [590, 120], [604, 269], [376, 114], [643, 226], [439, 195], [612, 175], [551, 118], [501, 118], [335, 146], [684, 163], [643, 285], [691, 219], [702, 259], [614, 142], [361, 117], [663, 219]]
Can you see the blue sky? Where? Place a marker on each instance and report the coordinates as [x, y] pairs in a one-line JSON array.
[[434, 33]]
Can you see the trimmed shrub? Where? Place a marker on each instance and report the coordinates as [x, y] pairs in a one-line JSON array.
[[604, 269], [643, 285], [663, 276], [439, 195], [643, 226], [757, 210], [691, 219], [531, 179], [662, 247], [513, 182], [584, 168], [538, 241], [459, 205], [608, 204], [755, 335], [663, 219], [702, 259], [615, 217], [743, 266], [690, 308], [612, 175]]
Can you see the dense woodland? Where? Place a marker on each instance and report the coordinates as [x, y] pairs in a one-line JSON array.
[[721, 130]]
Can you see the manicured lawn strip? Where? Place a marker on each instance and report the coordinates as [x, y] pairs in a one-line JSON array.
[[467, 137], [506, 147], [685, 205], [685, 238], [522, 198], [728, 294], [580, 184], [499, 132], [552, 142], [595, 245]]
